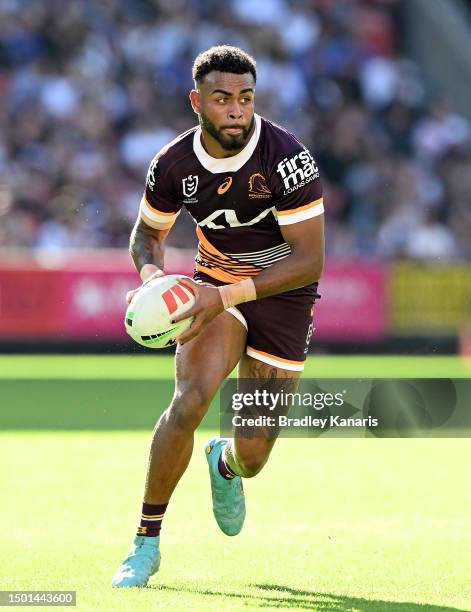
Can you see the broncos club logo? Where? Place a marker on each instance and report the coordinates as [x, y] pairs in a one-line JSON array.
[[258, 186]]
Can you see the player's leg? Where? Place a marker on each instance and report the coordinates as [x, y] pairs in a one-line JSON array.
[[201, 365], [231, 460], [280, 329], [279, 332], [246, 456]]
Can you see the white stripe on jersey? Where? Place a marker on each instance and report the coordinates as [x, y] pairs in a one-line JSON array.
[[274, 361], [264, 258], [267, 265], [295, 217], [279, 247], [153, 218], [227, 164]]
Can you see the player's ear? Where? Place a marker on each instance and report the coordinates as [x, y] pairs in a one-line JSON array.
[[195, 101]]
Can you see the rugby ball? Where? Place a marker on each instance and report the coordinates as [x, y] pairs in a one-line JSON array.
[[151, 310]]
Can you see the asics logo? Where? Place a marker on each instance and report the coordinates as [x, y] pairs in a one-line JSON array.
[[223, 187]]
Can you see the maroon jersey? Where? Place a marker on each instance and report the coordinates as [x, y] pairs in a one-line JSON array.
[[238, 203]]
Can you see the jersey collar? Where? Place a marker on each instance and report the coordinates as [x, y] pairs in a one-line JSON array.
[[226, 164]]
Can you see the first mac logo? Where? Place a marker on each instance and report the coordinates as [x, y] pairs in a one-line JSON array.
[[297, 170]]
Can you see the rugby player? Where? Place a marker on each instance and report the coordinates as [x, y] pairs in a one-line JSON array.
[[255, 195]]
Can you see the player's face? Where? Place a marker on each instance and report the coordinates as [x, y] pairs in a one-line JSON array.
[[225, 105]]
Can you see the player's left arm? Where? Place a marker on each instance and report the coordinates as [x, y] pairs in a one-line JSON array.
[[303, 266], [297, 192]]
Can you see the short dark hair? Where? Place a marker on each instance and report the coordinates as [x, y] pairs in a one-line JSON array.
[[223, 58]]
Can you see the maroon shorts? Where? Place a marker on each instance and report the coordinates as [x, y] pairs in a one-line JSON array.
[[278, 327]]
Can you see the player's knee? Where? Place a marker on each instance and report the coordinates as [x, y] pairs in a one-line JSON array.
[[189, 407], [250, 463]]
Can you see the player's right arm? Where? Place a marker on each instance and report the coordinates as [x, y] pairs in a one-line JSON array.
[[158, 211], [147, 248]]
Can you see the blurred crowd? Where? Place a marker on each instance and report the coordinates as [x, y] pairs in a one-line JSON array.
[[91, 90]]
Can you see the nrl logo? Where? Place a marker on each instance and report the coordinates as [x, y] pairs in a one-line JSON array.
[[190, 185]]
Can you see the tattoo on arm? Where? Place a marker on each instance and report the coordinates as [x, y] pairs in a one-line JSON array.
[[146, 245]]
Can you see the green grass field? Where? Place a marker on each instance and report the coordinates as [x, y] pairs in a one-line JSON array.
[[151, 366], [332, 525]]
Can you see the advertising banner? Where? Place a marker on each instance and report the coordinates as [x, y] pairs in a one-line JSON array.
[[85, 300], [31, 303], [353, 304], [429, 299]]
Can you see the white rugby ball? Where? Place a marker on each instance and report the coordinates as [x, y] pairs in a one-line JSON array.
[[149, 315]]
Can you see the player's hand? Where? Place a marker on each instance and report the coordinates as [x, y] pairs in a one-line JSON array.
[[148, 273], [208, 305]]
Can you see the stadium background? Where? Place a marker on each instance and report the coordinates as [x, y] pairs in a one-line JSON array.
[[90, 92]]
